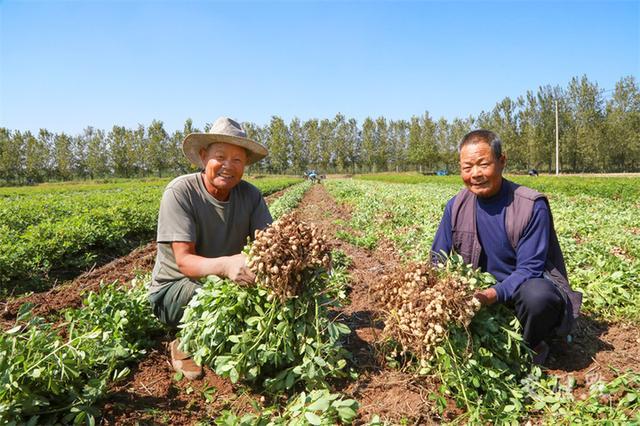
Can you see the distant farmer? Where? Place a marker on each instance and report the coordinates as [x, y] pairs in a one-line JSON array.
[[204, 222], [507, 230]]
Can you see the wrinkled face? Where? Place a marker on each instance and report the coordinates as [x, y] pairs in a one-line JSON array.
[[223, 165], [480, 170]]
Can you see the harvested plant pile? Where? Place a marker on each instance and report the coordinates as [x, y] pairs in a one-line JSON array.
[[421, 302], [277, 333], [284, 253]]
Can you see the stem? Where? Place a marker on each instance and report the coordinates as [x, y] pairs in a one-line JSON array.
[[54, 352], [464, 394], [272, 315]]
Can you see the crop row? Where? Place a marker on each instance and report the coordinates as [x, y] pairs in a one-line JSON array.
[[409, 215], [600, 237], [617, 188], [45, 234], [57, 371]]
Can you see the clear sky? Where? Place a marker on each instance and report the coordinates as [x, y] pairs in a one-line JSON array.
[[65, 65]]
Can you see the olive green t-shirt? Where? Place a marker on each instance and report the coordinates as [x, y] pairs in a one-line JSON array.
[[188, 213]]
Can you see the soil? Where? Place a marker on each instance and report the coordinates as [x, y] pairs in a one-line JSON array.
[[390, 394], [69, 294], [151, 395]]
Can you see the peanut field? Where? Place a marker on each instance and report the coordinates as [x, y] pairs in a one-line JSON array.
[[348, 322]]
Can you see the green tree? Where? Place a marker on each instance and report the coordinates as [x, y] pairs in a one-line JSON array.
[[157, 147], [368, 155], [79, 148], [326, 131], [587, 149], [428, 141], [299, 155], [381, 145], [623, 126], [343, 143], [354, 143], [121, 151], [444, 145], [416, 154], [36, 157], [139, 146], [63, 154], [279, 145], [312, 142], [11, 155], [45, 139], [97, 153]]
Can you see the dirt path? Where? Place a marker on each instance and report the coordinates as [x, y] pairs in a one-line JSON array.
[[391, 394], [151, 395]]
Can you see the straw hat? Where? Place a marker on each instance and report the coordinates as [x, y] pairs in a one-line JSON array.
[[224, 130]]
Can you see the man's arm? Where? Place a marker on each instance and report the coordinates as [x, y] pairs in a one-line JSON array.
[[531, 253], [194, 266], [442, 242]]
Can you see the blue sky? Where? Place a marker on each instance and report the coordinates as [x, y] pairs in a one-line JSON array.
[[65, 65]]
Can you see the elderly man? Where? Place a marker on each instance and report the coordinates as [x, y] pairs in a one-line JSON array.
[[507, 230], [204, 222]]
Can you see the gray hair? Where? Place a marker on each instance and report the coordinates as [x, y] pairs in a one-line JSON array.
[[486, 136]]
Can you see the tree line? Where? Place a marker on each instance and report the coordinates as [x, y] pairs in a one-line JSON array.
[[597, 133]]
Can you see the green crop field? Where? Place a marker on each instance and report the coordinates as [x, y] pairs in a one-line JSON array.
[[307, 359], [54, 230]]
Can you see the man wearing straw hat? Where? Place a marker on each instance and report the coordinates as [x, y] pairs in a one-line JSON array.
[[203, 225]]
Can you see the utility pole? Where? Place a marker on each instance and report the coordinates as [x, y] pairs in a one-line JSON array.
[[557, 143]]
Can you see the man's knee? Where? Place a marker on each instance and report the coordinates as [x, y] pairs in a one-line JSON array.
[[169, 306], [539, 297]]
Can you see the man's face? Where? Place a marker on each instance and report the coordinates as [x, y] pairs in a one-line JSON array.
[[480, 171], [224, 165]]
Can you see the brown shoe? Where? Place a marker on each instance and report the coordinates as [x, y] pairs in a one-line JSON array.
[[183, 363]]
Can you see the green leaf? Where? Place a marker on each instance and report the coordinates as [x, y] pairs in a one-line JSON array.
[[14, 330], [321, 362], [321, 404], [233, 375], [313, 418], [343, 328], [347, 414]]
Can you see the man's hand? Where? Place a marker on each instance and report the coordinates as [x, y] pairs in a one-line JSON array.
[[194, 266], [487, 296], [236, 269]]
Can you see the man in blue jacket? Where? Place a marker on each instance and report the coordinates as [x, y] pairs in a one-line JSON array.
[[507, 230]]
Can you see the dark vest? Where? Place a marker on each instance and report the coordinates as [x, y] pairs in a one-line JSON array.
[[517, 216]]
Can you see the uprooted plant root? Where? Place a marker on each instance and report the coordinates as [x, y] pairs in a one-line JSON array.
[[282, 252], [419, 303]]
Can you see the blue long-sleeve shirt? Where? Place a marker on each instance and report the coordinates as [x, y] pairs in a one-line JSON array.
[[510, 267]]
